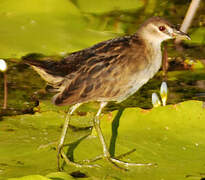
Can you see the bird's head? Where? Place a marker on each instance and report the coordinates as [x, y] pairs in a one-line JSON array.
[[157, 29]]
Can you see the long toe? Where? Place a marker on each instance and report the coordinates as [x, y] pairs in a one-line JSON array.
[[127, 164], [78, 165]]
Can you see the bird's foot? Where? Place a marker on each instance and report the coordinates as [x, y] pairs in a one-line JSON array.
[[69, 162], [101, 156], [127, 164], [118, 163], [114, 161]]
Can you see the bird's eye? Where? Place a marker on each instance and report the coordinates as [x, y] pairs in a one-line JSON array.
[[162, 28]]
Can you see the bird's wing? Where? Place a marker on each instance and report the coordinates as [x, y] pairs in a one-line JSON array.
[[100, 52], [55, 72], [76, 60], [93, 71]]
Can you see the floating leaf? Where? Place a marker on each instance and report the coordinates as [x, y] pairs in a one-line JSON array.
[[171, 136]]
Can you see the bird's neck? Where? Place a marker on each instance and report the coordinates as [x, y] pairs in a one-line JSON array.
[[152, 51], [150, 40]]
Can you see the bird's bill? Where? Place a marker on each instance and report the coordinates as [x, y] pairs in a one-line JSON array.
[[180, 35]]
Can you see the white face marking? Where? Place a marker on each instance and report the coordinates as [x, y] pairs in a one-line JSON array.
[[161, 34], [152, 34]]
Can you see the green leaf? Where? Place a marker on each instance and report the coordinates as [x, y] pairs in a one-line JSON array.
[[99, 7], [51, 176], [32, 177], [198, 36], [59, 176], [53, 27], [171, 136]]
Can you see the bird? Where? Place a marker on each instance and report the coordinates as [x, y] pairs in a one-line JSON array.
[[111, 70]]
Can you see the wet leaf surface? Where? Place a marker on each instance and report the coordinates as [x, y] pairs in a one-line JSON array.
[[171, 136]]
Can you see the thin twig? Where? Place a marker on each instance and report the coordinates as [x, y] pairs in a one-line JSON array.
[[5, 91], [189, 17], [165, 63]]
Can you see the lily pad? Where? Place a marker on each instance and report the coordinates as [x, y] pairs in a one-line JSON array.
[[170, 136], [37, 26], [198, 36], [32, 177], [100, 7]]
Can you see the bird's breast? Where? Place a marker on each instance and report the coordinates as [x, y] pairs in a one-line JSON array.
[[140, 77]]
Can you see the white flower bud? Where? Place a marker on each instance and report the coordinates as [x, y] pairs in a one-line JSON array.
[[163, 93], [155, 100], [3, 65]]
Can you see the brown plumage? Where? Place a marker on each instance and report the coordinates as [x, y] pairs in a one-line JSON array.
[[91, 74], [109, 71]]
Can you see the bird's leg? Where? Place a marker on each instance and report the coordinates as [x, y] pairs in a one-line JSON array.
[[99, 131], [106, 153], [64, 131], [62, 138]]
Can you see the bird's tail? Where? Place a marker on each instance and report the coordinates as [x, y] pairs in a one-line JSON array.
[[46, 69]]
